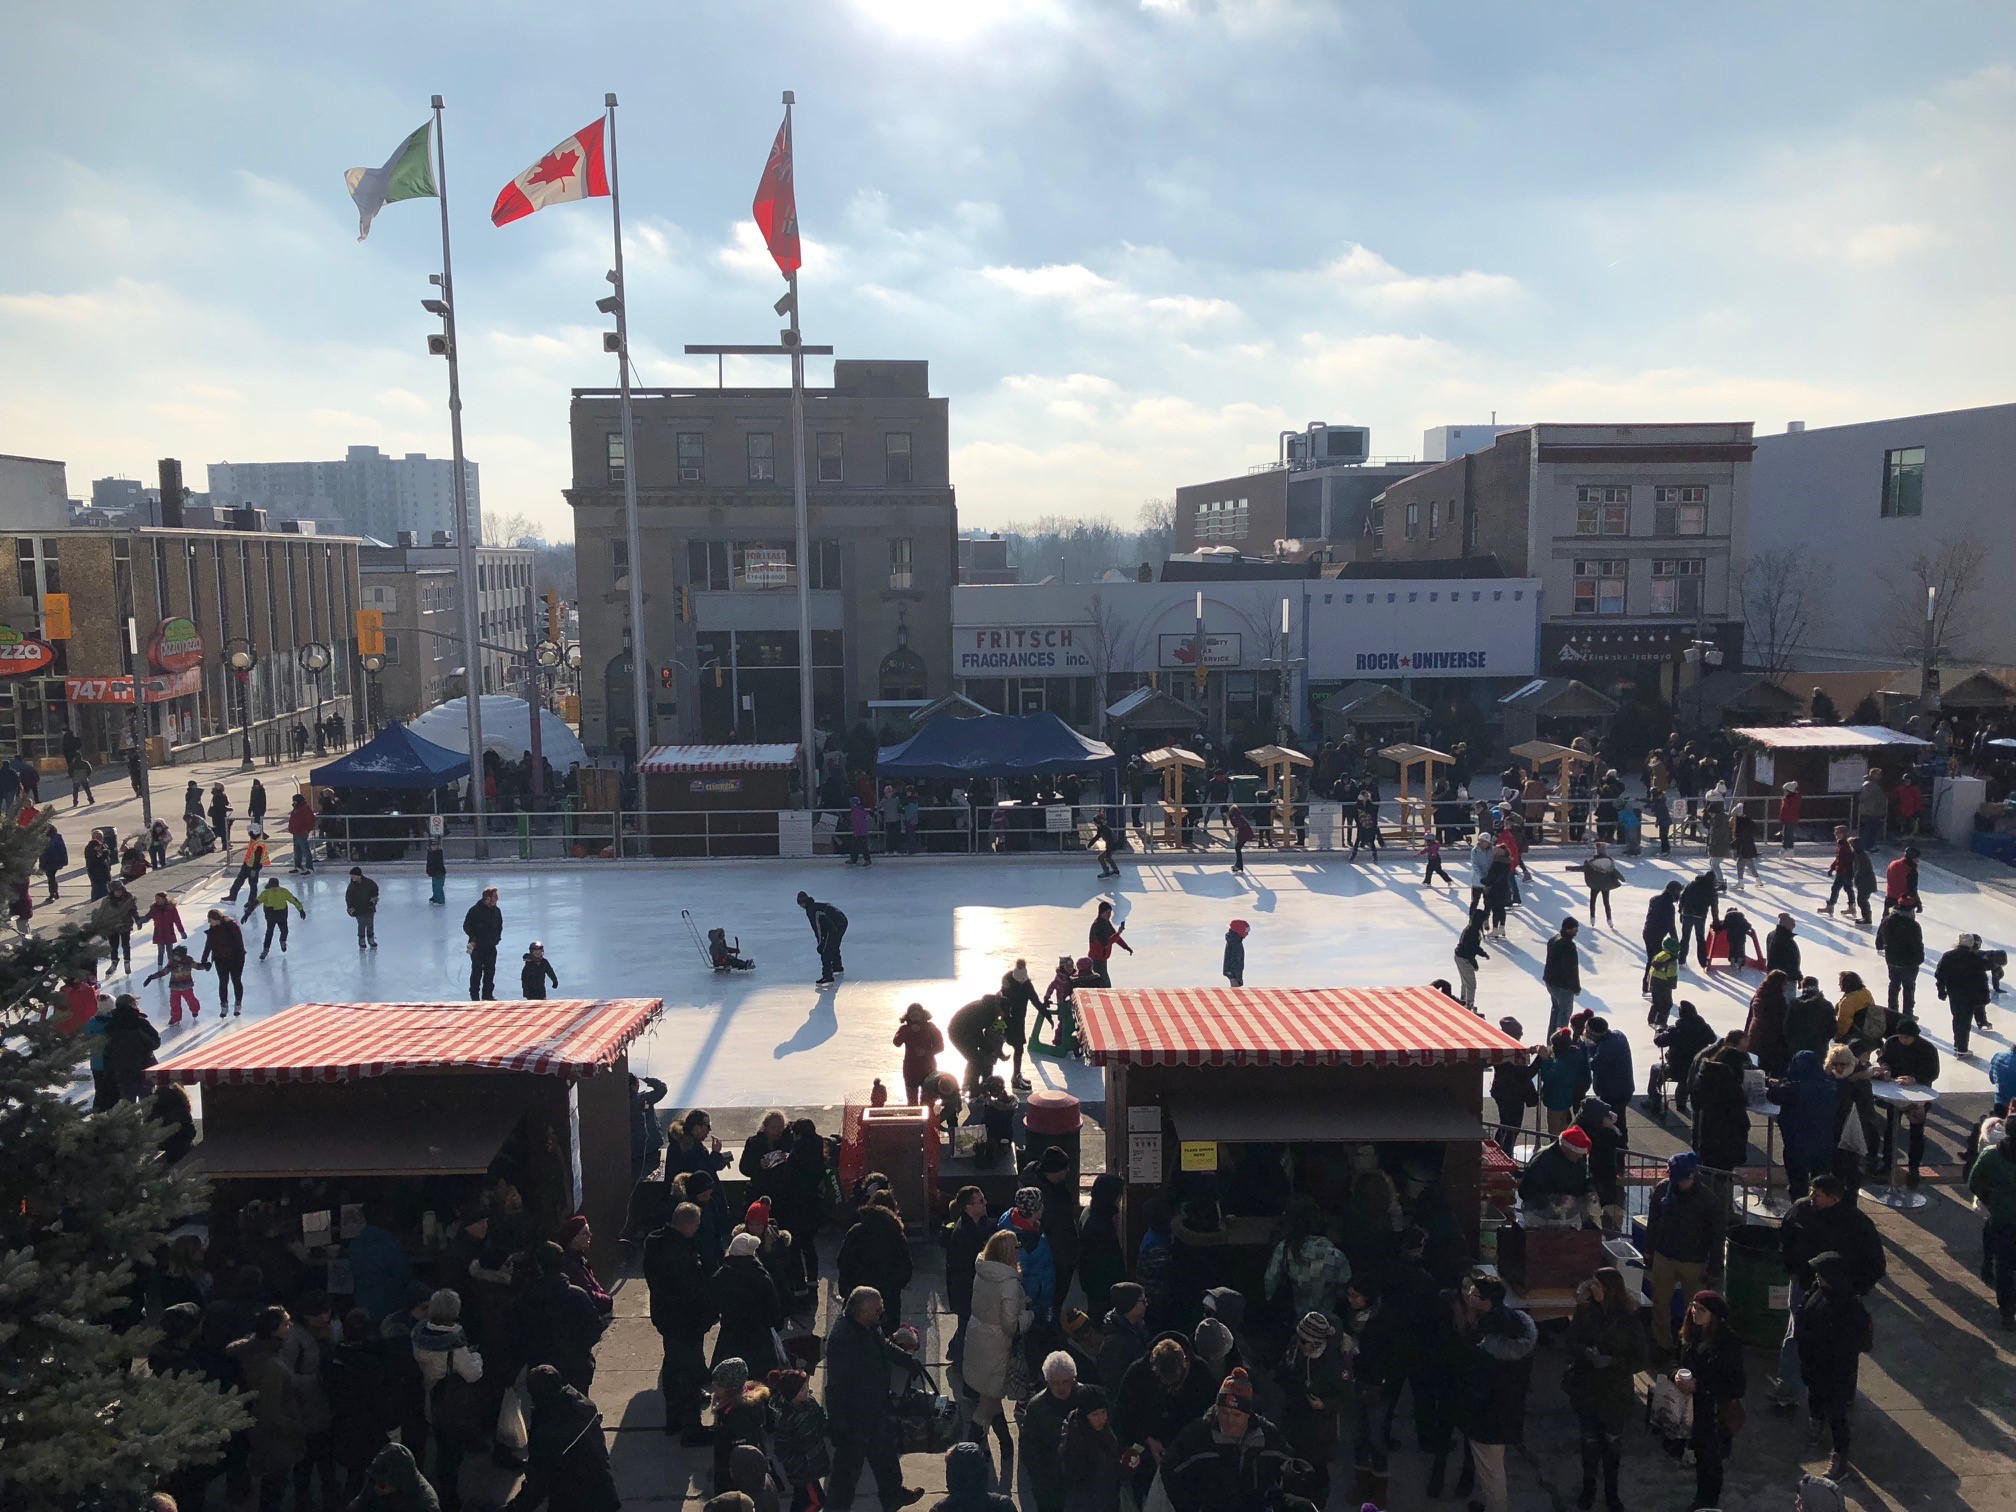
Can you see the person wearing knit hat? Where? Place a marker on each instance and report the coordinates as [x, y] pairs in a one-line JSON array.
[[1816, 1493], [1559, 1174], [1230, 1457], [1028, 1208], [744, 1244], [756, 1217], [1233, 968], [1037, 1263], [1711, 1372], [577, 1242], [1124, 1332], [1683, 1236], [1212, 1344], [1313, 1381], [730, 1376], [1236, 1391]]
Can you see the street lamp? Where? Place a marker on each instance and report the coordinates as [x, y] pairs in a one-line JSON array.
[[314, 659], [372, 664], [241, 658], [1696, 654]]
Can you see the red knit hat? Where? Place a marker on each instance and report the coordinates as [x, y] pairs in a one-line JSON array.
[[1576, 1138], [758, 1215], [1236, 1391]]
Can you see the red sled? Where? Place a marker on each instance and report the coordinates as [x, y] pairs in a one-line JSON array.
[[1719, 954]]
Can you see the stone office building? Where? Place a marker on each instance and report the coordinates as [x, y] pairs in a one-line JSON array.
[[192, 595], [414, 587], [720, 554], [1635, 533]]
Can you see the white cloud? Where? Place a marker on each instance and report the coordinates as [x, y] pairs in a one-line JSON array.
[[1374, 282], [1879, 246]]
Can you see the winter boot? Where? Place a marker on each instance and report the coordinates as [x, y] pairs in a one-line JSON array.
[[1466, 1478], [1381, 1490], [1915, 1153], [1362, 1487], [1837, 1468]]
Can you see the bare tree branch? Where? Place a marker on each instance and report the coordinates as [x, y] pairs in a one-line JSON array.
[[1782, 592], [1955, 567]]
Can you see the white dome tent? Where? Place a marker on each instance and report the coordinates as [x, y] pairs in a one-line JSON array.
[[507, 730]]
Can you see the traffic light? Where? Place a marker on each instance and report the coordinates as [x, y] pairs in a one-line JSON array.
[[665, 676], [553, 615], [685, 605], [56, 616], [1202, 673], [717, 674]]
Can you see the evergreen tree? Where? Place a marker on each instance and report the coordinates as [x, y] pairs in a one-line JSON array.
[[84, 1203], [1823, 709], [1867, 712]]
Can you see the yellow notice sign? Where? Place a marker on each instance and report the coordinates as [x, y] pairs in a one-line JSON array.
[[1200, 1155]]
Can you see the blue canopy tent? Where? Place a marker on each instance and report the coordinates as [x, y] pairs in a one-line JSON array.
[[394, 758], [994, 745]]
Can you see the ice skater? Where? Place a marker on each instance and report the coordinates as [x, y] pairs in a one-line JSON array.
[[1469, 951], [1105, 936], [1102, 844], [1057, 1009], [483, 925], [1018, 995], [181, 971], [1661, 980], [437, 870], [1431, 851], [829, 927], [360, 901], [1242, 835], [1368, 824], [274, 901], [977, 1033], [1234, 964], [536, 973], [224, 949], [167, 922], [725, 957]]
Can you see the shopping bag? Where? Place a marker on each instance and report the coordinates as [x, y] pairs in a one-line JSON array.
[[1854, 1138], [1669, 1411], [512, 1432]]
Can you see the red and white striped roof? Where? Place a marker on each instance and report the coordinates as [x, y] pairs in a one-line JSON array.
[[718, 758], [333, 1042], [1288, 1026]]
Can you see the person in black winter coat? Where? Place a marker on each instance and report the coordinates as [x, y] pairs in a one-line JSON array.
[[1501, 1371], [1123, 1334], [963, 1237], [1161, 1393], [360, 1383], [1700, 906], [857, 1406], [1833, 1332], [1909, 1058], [747, 1297], [1662, 918], [829, 927], [876, 1254], [800, 1191], [483, 925], [683, 1308], [1042, 1440], [1313, 1379], [567, 1460], [1682, 1041], [1721, 1106], [1826, 1221], [1901, 943], [1018, 996], [1228, 1460], [1962, 979], [1713, 1357], [1781, 949], [558, 1324], [967, 1474], [1052, 1173], [536, 973], [130, 1043]]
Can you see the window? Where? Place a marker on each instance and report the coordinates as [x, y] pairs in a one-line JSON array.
[[619, 560], [763, 564], [1413, 521], [1603, 511], [1434, 518], [1222, 520], [896, 457], [692, 456], [762, 457], [831, 455], [707, 565], [900, 557], [825, 565], [1680, 511], [1676, 585], [1376, 523], [391, 650], [612, 446], [1599, 585], [1904, 483]]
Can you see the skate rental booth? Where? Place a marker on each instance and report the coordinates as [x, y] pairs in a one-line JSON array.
[[1827, 761], [326, 1109], [716, 800], [1258, 1094]]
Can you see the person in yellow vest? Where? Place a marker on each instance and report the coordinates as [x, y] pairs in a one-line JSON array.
[[250, 865]]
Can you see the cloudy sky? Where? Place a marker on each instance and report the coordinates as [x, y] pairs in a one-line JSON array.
[[1134, 238]]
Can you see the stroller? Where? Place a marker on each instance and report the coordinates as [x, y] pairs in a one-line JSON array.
[[133, 858], [925, 1419], [198, 839]]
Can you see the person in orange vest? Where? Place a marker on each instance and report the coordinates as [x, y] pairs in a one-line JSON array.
[[251, 865]]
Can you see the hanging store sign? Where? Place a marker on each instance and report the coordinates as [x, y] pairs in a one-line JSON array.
[[1010, 650], [1181, 650], [177, 645], [119, 690], [22, 654]]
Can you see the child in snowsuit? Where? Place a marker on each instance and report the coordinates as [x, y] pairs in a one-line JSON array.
[[1431, 850], [724, 956], [536, 973], [1057, 1009], [168, 928], [921, 1042], [1234, 967], [181, 973], [1662, 975]]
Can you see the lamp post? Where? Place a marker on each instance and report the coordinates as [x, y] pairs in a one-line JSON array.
[[1697, 654], [241, 658], [372, 664], [314, 660]]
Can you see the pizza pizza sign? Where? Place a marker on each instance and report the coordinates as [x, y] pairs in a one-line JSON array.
[[177, 645], [22, 654]]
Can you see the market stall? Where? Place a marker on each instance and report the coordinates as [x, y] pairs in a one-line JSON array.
[[1417, 811], [1253, 1095], [1827, 761], [716, 800], [1555, 708], [1170, 762], [385, 791], [1151, 711], [1371, 711], [1277, 766], [331, 1111]]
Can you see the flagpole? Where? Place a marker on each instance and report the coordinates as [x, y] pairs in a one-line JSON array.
[[465, 535], [639, 683], [806, 757]]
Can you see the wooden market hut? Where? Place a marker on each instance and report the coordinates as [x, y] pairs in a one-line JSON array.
[[1555, 708], [1417, 811], [1827, 761], [1170, 763], [1372, 711], [1150, 711], [715, 800]]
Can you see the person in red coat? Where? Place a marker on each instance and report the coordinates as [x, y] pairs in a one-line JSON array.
[[921, 1042], [1789, 808]]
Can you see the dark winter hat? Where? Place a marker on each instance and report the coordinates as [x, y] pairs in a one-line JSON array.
[[1315, 1328], [1093, 1399], [1054, 1162], [1682, 1166], [1712, 1302], [804, 898], [1028, 1202], [1511, 1026], [1236, 1391], [1241, 928], [967, 1472], [1819, 1494], [1212, 1341], [572, 1228], [731, 1375], [1125, 1296], [786, 1384], [1226, 1303]]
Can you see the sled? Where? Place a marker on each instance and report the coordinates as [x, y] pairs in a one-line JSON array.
[[686, 914]]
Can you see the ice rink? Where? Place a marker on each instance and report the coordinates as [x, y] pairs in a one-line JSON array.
[[941, 932]]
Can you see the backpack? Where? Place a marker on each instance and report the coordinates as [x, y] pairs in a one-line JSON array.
[[457, 1409]]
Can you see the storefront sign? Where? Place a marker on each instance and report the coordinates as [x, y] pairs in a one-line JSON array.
[[1423, 661], [716, 785], [21, 654], [119, 690], [1846, 774], [1044, 650], [1199, 1155], [1144, 1157], [1181, 650], [766, 567], [177, 645]]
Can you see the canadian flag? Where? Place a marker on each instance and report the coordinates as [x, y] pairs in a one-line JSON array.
[[576, 169]]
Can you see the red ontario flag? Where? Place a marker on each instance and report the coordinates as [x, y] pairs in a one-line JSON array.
[[776, 206]]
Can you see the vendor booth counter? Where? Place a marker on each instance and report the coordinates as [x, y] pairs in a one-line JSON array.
[[409, 1105], [1201, 1083], [716, 800]]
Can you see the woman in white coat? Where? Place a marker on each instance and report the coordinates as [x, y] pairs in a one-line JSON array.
[[994, 1329]]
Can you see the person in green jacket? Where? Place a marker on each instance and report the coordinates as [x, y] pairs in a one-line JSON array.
[[1993, 1181], [275, 901]]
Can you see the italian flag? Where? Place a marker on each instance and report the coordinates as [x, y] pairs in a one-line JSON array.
[[576, 169], [407, 174]]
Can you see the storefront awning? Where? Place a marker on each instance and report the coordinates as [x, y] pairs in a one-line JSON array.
[[1284, 1026], [1241, 1118], [454, 1140]]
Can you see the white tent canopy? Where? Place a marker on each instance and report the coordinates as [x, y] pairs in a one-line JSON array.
[[507, 730]]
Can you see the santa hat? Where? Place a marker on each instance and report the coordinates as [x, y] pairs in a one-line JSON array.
[[1576, 1138]]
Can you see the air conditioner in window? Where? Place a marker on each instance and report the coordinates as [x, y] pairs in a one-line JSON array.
[[689, 475]]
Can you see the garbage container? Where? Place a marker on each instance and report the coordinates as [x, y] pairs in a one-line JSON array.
[[1759, 1292], [902, 1142], [1051, 1118]]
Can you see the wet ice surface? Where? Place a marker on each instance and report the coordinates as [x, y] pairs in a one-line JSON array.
[[942, 932]]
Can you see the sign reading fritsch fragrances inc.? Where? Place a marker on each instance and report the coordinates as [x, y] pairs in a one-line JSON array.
[[21, 654], [177, 645]]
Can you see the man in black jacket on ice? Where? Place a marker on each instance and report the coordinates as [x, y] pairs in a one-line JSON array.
[[484, 925], [829, 925]]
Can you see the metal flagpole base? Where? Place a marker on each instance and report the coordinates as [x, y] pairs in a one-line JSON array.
[[1905, 1199]]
